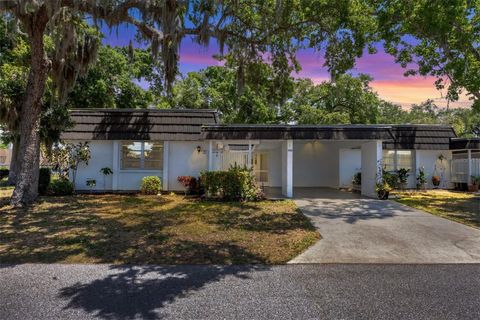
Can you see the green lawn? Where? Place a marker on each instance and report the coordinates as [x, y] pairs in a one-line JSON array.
[[457, 206], [136, 229]]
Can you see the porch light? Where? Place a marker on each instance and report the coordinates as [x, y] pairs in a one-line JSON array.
[[199, 149]]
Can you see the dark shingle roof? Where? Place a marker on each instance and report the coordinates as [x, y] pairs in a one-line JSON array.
[[420, 137], [274, 132], [138, 124], [465, 143]]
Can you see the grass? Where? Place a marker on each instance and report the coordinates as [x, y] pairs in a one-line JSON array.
[[134, 229], [457, 206]]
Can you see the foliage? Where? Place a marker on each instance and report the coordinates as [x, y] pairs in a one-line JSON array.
[[262, 94], [441, 39], [475, 180], [235, 184], [106, 171], [357, 178], [390, 178], [421, 178], [113, 82], [44, 180], [68, 156], [151, 185], [61, 187], [191, 184], [91, 183], [347, 100], [403, 175], [4, 172]]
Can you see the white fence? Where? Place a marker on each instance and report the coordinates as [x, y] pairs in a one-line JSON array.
[[225, 159], [460, 170]]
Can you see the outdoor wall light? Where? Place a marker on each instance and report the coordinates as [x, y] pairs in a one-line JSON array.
[[199, 149]]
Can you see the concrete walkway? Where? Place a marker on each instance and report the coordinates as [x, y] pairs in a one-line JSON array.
[[362, 230]]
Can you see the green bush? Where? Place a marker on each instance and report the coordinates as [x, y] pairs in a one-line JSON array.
[[151, 185], [44, 180], [4, 172], [61, 187], [236, 184], [391, 179]]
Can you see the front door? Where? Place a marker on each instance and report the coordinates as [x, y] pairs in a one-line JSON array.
[[260, 167]]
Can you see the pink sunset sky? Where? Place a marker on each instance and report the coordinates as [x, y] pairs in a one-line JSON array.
[[389, 81]]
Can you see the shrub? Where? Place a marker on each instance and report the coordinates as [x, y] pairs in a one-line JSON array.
[[235, 184], [44, 180], [191, 184], [61, 187], [403, 175], [357, 178], [151, 185], [390, 178], [4, 172]]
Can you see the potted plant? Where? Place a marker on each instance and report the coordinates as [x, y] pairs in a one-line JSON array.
[[105, 171], [91, 183], [383, 189], [421, 179], [403, 175], [475, 184], [357, 181], [436, 181]]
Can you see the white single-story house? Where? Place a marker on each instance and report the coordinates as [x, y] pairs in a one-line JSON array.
[[172, 143]]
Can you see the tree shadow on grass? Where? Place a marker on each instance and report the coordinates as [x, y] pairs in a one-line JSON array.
[[136, 230], [131, 292]]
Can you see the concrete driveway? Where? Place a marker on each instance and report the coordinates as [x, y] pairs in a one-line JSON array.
[[356, 229]]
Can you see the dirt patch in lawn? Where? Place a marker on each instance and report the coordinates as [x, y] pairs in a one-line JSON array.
[[457, 206], [152, 230]]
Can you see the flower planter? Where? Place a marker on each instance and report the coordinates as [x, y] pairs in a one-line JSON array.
[[473, 188], [383, 195]]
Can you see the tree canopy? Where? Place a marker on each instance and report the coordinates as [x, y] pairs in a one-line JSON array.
[[435, 37]]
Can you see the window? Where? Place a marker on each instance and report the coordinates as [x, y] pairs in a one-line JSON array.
[[141, 155], [397, 159], [389, 160]]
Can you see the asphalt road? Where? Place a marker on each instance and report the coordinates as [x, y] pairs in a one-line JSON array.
[[240, 292]]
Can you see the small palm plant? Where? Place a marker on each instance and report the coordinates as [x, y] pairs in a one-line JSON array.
[[105, 171]]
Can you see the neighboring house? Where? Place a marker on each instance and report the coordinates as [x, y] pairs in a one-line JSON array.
[[170, 143], [5, 157]]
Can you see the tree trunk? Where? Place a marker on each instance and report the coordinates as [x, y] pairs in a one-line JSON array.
[[26, 187], [14, 164]]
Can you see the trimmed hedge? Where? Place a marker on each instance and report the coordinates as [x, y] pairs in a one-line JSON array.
[[4, 173], [151, 185], [61, 187], [235, 184], [44, 180]]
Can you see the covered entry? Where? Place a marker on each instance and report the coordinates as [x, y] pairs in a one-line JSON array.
[[300, 156]]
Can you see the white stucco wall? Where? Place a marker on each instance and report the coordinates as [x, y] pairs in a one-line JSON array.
[[350, 161], [185, 160], [317, 163], [429, 159], [371, 156], [101, 156]]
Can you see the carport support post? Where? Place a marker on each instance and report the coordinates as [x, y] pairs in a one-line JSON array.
[[469, 167], [287, 168], [371, 159], [210, 155]]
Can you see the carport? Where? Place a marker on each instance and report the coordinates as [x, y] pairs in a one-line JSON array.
[[300, 156]]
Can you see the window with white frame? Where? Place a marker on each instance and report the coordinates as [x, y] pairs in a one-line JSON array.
[[397, 159], [141, 155]]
